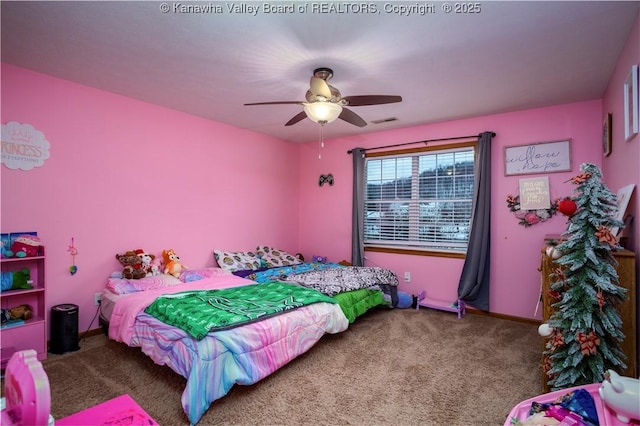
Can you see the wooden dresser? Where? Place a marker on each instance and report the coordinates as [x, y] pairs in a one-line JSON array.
[[627, 276]]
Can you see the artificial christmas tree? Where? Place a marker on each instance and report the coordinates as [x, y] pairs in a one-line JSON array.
[[586, 325]]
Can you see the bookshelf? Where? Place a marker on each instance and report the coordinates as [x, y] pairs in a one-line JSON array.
[[32, 334]]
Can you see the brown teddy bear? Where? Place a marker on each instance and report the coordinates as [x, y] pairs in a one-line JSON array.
[[132, 265], [17, 312]]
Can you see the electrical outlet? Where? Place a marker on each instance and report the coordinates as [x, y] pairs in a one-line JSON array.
[[97, 297], [407, 277]]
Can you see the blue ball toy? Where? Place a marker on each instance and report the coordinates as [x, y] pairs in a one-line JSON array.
[[405, 300]]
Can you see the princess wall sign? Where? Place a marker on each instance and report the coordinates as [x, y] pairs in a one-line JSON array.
[[23, 147]]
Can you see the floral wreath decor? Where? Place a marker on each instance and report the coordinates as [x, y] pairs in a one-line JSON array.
[[530, 217]]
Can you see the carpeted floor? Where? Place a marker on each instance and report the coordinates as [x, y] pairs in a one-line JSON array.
[[392, 367]]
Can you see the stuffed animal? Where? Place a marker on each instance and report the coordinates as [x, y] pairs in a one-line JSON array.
[[25, 246], [17, 312], [622, 395], [132, 265], [172, 264], [147, 259], [156, 266], [319, 259], [16, 280], [5, 249]]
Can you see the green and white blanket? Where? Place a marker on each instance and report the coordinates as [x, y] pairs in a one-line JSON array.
[[199, 312]]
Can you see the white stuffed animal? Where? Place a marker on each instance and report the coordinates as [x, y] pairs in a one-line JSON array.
[[147, 264], [622, 395]]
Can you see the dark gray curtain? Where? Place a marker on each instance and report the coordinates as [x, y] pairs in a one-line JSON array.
[[474, 282], [357, 227]]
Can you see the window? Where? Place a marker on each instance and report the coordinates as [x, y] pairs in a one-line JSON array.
[[419, 199]]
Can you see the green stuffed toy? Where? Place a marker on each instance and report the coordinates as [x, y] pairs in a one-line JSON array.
[[17, 280]]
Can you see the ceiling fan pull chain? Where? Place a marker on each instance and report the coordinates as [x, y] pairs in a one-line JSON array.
[[320, 142]]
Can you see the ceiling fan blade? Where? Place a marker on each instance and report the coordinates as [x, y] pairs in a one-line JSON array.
[[275, 103], [319, 87], [371, 100], [298, 117], [351, 117]]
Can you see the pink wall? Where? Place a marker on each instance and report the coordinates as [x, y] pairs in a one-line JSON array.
[[325, 213], [125, 174], [621, 167]]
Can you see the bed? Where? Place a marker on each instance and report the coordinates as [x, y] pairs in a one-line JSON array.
[[357, 289], [245, 353]]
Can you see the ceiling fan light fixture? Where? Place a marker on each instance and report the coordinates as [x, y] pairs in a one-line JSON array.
[[322, 112]]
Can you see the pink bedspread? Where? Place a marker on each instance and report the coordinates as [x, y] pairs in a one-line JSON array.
[[241, 355]]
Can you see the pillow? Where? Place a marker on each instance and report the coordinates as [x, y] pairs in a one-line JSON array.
[[198, 274], [275, 258], [236, 261], [246, 272], [120, 286], [125, 286]]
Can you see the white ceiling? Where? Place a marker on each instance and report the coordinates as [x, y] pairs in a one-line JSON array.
[[508, 56]]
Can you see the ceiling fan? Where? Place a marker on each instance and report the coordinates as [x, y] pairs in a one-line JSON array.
[[324, 103]]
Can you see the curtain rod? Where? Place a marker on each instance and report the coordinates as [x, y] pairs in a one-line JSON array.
[[493, 135]]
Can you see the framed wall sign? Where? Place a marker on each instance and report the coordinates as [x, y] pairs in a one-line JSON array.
[[623, 196], [534, 193], [606, 136], [631, 104], [542, 157]]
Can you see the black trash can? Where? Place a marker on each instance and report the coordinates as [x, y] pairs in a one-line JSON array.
[[64, 329]]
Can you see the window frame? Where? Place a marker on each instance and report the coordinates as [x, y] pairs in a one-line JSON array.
[[380, 248]]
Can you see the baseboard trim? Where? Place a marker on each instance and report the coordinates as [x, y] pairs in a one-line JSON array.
[[475, 311], [468, 309], [93, 332]]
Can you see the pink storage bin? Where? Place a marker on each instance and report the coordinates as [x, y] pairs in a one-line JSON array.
[[605, 415], [122, 410]]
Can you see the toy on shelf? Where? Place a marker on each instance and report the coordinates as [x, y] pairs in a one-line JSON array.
[[20, 312], [5, 246], [20, 245], [172, 264], [15, 316], [25, 245], [16, 280]]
